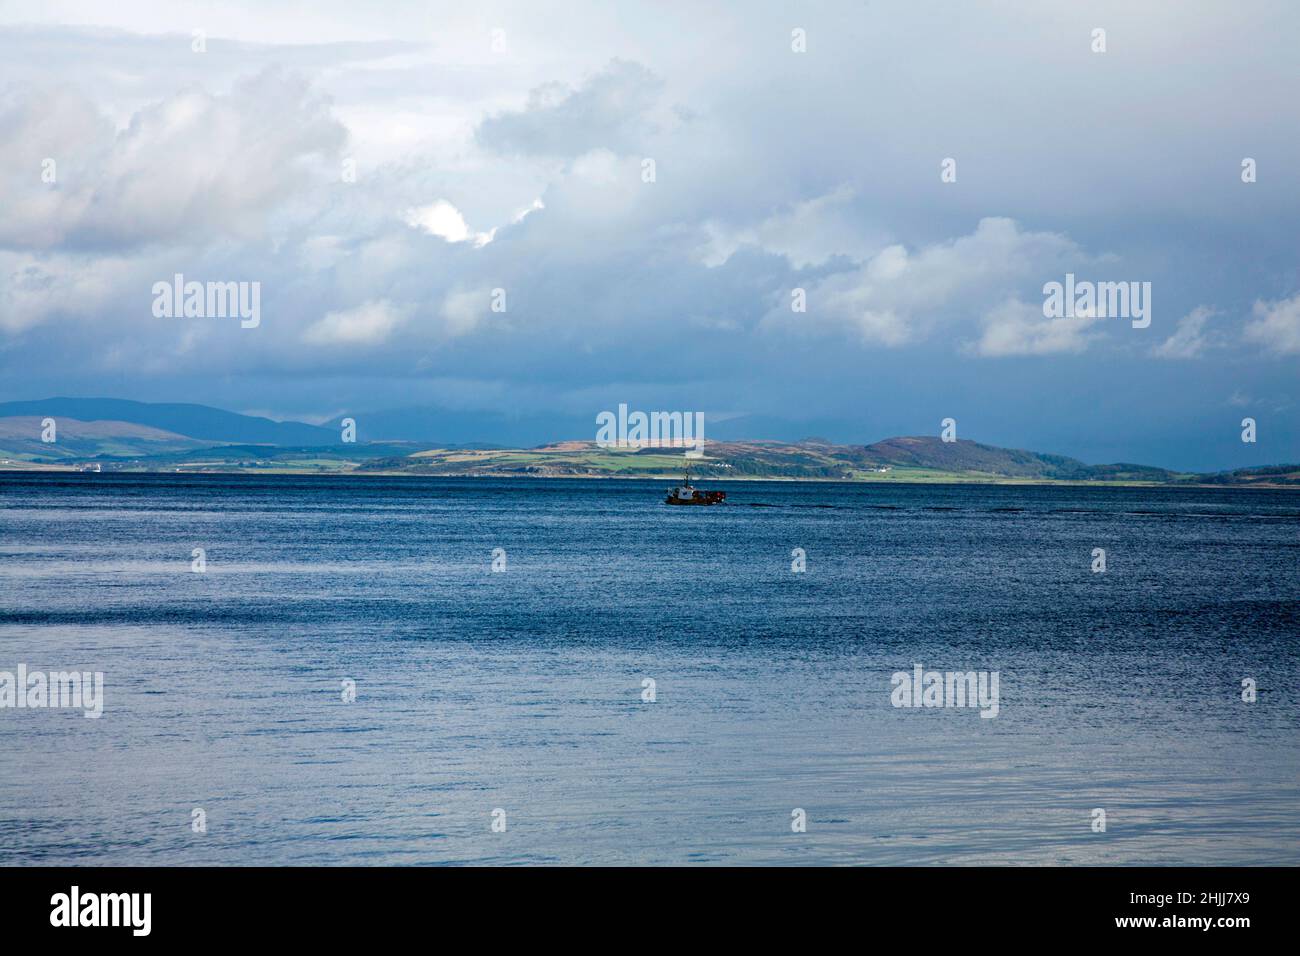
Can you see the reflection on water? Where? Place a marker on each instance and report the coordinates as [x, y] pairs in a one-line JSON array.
[[523, 690]]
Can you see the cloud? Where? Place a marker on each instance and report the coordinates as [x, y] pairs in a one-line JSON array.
[[787, 171], [190, 167], [1276, 326], [463, 310], [445, 221], [527, 211], [370, 323], [35, 287], [1019, 328], [608, 111], [806, 232], [1189, 339], [896, 297]]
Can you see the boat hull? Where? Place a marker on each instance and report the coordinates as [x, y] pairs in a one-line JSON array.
[[700, 498]]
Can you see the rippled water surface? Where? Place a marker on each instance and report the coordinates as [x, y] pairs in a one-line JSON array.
[[522, 690]]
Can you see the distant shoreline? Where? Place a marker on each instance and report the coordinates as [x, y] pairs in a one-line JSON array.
[[972, 480], [916, 459]]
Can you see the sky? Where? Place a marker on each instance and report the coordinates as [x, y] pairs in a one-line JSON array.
[[541, 211]]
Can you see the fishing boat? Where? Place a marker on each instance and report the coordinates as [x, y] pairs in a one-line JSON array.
[[688, 494]]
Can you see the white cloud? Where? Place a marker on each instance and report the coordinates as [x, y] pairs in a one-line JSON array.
[[1189, 339], [322, 252], [896, 296], [1020, 328], [598, 167], [1276, 326], [806, 232], [442, 219], [463, 310], [608, 110], [193, 166], [35, 288], [523, 214], [370, 323]]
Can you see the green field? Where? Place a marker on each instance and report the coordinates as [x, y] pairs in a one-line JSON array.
[[904, 460]]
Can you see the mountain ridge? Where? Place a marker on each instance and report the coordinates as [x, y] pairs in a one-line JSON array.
[[191, 437], [199, 422]]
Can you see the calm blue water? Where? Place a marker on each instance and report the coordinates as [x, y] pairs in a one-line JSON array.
[[521, 690]]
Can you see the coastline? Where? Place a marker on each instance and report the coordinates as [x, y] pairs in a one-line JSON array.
[[930, 479]]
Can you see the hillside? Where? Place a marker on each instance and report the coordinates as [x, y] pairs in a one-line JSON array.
[[932, 453], [196, 422], [20, 438], [895, 459], [117, 435], [1286, 476]]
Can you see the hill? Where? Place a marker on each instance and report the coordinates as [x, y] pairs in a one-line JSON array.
[[915, 458], [932, 453], [119, 435], [196, 422], [20, 438]]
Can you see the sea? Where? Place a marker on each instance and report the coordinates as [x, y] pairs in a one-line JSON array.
[[404, 671]]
